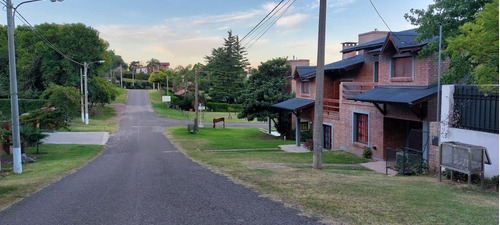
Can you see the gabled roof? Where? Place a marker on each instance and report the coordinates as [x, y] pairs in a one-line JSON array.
[[410, 95], [310, 71], [294, 104], [402, 40]]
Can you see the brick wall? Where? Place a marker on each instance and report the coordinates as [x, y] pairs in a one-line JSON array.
[[435, 130]]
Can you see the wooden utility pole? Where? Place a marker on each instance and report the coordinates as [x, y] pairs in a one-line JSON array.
[[320, 78]]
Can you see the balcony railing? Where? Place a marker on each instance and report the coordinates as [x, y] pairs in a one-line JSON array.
[[331, 105], [350, 89]]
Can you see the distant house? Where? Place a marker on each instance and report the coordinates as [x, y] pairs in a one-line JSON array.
[[373, 97]]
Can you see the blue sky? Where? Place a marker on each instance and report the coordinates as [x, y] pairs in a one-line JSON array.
[[183, 32]]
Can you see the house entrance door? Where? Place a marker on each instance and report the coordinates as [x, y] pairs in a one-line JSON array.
[[327, 140]]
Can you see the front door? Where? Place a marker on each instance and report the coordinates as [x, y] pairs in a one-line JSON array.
[[327, 140]]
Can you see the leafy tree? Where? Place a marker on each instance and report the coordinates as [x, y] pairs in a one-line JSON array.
[[450, 13], [101, 92], [153, 63], [476, 48], [65, 99], [225, 66], [266, 87]]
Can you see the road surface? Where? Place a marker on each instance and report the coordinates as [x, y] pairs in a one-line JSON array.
[[141, 178]]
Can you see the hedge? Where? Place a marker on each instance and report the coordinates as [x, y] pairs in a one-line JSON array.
[[25, 105], [223, 107]]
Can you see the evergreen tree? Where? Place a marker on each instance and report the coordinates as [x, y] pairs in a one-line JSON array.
[[266, 87], [225, 67]]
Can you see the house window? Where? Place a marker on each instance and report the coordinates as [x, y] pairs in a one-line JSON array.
[[402, 66], [304, 126], [360, 128], [304, 87], [375, 71]]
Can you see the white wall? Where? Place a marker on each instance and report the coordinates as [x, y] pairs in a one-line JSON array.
[[488, 140]]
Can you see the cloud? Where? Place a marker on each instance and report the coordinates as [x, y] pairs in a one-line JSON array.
[[291, 21]]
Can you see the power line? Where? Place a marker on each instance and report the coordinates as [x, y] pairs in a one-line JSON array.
[[255, 27], [20, 16], [274, 22], [376, 10]]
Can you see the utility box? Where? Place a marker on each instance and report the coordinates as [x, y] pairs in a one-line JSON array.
[[465, 158]]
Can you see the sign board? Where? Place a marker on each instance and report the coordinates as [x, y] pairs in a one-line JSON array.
[[165, 98], [201, 107]]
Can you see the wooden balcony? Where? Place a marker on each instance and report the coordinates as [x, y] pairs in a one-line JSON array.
[[350, 89], [331, 105]]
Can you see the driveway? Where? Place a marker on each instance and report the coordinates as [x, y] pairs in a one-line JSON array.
[[141, 178]]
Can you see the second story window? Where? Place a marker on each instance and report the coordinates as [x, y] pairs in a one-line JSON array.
[[402, 66], [304, 87]]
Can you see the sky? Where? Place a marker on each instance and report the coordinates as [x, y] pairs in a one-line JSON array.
[[183, 32]]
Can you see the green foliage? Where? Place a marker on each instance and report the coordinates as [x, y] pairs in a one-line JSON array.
[[475, 49], [266, 87], [450, 13], [141, 76], [47, 119], [25, 105], [223, 107], [101, 91], [226, 70], [66, 99], [367, 153], [461, 177]]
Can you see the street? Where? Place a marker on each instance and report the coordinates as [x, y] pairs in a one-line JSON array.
[[141, 178]]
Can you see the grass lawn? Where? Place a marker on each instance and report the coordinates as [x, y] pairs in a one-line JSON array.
[[106, 121], [339, 194], [161, 109], [56, 162]]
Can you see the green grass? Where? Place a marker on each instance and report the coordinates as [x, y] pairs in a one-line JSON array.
[[161, 109], [56, 162], [104, 122], [338, 194], [121, 98]]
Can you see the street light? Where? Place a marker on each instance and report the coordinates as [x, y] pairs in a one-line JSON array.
[[85, 69], [14, 109]]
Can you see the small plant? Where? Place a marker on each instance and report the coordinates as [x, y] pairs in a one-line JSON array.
[[367, 152]]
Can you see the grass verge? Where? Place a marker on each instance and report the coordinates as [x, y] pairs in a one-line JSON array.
[[56, 162], [339, 194], [106, 120], [161, 109]]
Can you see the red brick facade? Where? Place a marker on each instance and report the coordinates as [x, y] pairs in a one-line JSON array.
[[385, 131]]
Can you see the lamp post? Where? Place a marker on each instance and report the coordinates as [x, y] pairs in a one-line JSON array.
[[16, 137], [85, 69]]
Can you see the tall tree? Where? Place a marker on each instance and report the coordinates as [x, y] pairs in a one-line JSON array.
[[267, 86], [225, 67], [477, 47], [153, 63]]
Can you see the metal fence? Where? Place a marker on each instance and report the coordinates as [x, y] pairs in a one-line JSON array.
[[475, 109]]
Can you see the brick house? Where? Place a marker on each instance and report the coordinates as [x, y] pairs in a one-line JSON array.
[[373, 97]]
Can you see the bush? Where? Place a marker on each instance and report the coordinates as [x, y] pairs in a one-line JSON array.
[[367, 153], [25, 105], [309, 144], [461, 177], [223, 107]]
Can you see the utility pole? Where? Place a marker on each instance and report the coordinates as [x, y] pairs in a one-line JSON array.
[[82, 103], [438, 108], [121, 76], [85, 68], [14, 109], [320, 77], [196, 101]]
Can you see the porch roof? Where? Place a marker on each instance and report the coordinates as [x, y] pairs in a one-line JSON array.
[[411, 95], [294, 104]]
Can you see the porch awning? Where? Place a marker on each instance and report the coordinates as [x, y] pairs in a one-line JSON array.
[[411, 95], [294, 104]]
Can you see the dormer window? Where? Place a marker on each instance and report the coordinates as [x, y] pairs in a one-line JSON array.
[[304, 86], [402, 66]]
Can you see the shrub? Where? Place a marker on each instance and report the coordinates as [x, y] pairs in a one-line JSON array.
[[25, 105], [367, 152], [224, 107], [309, 144], [461, 177]]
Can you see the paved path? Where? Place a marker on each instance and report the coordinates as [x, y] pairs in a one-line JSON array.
[[94, 138], [141, 178]]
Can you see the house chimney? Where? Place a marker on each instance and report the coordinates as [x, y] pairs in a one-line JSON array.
[[346, 45]]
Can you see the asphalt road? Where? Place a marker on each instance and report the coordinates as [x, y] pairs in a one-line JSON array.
[[141, 178]]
